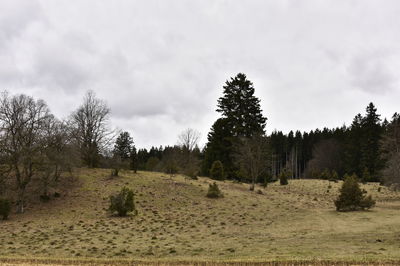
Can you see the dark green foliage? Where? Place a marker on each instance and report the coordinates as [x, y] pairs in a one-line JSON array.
[[325, 175], [122, 203], [363, 145], [371, 144], [152, 163], [334, 176], [5, 208], [217, 171], [283, 177], [123, 146], [171, 167], [219, 148], [241, 117], [351, 197], [366, 176], [214, 191], [241, 108]]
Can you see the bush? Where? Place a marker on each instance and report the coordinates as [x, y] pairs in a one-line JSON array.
[[366, 176], [283, 178], [214, 191], [351, 197], [217, 170], [334, 176], [325, 174], [171, 168], [122, 203], [5, 208]]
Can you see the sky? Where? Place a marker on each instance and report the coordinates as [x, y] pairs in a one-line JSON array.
[[160, 65]]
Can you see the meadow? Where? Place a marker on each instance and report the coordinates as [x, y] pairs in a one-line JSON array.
[[177, 224]]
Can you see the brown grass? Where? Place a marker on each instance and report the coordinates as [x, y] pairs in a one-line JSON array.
[[176, 222]]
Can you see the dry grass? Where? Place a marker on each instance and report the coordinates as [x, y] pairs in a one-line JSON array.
[[176, 222]]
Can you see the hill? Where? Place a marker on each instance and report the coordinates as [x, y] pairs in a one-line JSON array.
[[176, 222]]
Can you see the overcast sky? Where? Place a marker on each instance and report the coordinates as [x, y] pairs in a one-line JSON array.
[[161, 65]]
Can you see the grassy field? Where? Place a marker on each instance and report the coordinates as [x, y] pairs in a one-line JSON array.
[[176, 222]]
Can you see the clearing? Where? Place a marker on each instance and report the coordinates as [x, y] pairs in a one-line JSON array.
[[176, 222]]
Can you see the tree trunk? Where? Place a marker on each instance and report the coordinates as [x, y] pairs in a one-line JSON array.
[[21, 200]]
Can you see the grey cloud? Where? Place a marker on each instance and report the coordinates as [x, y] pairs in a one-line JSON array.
[[161, 65], [369, 72]]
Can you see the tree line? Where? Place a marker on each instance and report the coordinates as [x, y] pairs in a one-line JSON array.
[[38, 150]]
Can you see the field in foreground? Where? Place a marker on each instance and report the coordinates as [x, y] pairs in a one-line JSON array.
[[176, 222]]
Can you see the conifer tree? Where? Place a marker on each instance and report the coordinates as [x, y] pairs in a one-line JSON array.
[[123, 146], [371, 143], [219, 147], [241, 108]]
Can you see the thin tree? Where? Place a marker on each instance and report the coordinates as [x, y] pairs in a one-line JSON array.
[[90, 123], [188, 142], [253, 156]]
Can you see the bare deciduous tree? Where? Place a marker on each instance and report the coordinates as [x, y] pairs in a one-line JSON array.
[[188, 142], [326, 155], [58, 156], [189, 139], [23, 124], [252, 155], [91, 129]]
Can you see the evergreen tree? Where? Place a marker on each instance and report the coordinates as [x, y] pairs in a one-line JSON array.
[[351, 196], [353, 146], [123, 146], [241, 108], [219, 148], [217, 171], [371, 143], [134, 159]]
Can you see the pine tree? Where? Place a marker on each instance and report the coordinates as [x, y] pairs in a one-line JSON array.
[[217, 171], [219, 148], [351, 196], [123, 146], [353, 146], [371, 143], [241, 108]]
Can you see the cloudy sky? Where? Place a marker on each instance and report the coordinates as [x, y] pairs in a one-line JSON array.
[[161, 65]]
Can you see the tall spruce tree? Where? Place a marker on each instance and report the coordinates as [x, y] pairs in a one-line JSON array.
[[241, 108], [241, 117], [371, 143], [353, 147]]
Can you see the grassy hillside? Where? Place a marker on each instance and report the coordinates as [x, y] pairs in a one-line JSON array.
[[177, 222]]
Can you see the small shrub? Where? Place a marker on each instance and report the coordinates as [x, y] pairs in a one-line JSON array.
[[214, 191], [122, 203], [283, 178], [217, 170], [5, 208], [366, 176], [334, 176], [351, 196], [171, 168], [325, 174]]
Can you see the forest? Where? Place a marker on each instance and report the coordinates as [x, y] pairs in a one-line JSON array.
[[37, 147]]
